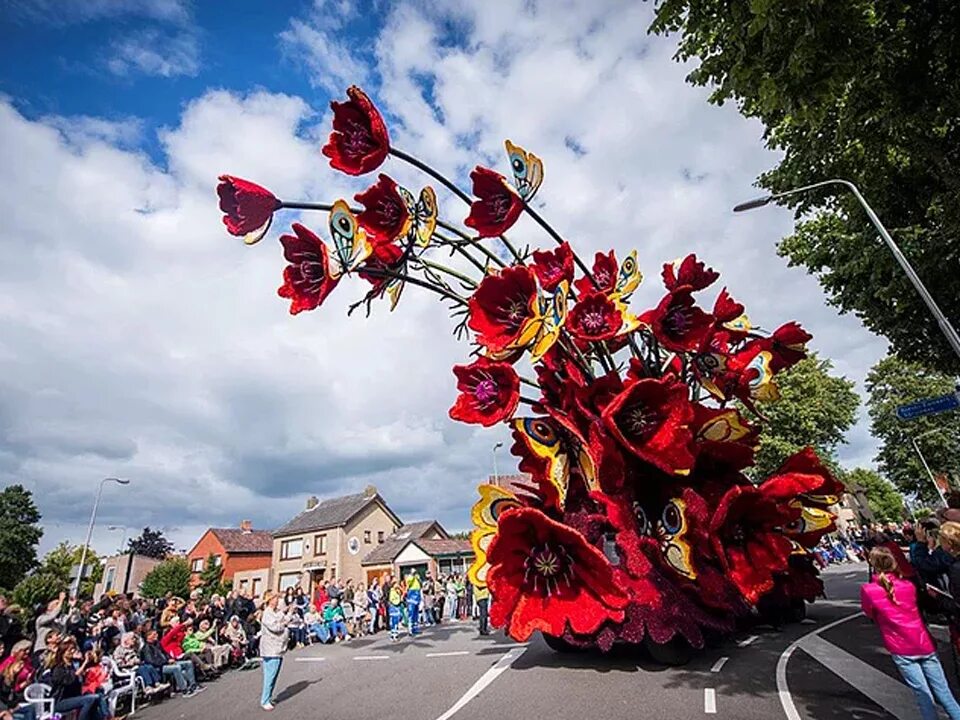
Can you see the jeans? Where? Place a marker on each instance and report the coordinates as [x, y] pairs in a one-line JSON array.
[[320, 630], [27, 712], [484, 616], [413, 614], [149, 674], [338, 628], [396, 616], [271, 670], [182, 673], [924, 675], [299, 635], [83, 703]]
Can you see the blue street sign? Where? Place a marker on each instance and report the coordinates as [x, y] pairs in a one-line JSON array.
[[929, 406]]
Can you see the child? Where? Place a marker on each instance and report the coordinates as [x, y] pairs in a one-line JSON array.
[[891, 602], [395, 609], [96, 679]]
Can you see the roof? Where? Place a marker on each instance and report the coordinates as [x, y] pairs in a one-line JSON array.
[[387, 552], [446, 546], [331, 513], [417, 530], [235, 540]]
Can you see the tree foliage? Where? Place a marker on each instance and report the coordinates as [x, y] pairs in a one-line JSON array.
[[884, 499], [866, 90], [151, 543], [172, 575], [815, 408], [211, 578], [19, 534], [893, 382], [52, 577]]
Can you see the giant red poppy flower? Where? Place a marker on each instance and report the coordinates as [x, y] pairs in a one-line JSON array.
[[745, 535], [502, 307], [688, 272], [554, 267], [359, 142], [651, 418], [384, 257], [247, 208], [595, 317], [677, 322], [823, 493], [497, 207], [384, 215], [724, 438], [605, 270], [545, 576], [306, 280], [489, 392]]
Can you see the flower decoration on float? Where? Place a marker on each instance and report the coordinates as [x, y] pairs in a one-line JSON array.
[[638, 520]]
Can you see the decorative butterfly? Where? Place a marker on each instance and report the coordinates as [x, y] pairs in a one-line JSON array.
[[553, 315], [527, 170], [629, 277], [543, 438], [739, 325], [422, 215], [350, 244], [812, 519], [728, 426], [762, 386], [630, 321], [486, 512], [670, 533]]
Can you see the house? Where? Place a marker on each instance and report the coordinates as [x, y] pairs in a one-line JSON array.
[[240, 550], [123, 574], [424, 546], [329, 539]]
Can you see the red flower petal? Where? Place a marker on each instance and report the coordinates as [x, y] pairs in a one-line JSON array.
[[501, 307], [306, 280], [497, 208], [690, 272], [385, 214], [489, 392], [594, 318], [677, 322], [552, 268], [247, 207], [359, 142], [605, 270]]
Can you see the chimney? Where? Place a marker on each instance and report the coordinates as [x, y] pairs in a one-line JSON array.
[[312, 502], [246, 525], [370, 490]]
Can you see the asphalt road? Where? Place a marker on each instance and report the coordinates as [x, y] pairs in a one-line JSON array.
[[830, 667]]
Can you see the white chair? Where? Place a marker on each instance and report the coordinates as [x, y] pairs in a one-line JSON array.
[[38, 695], [125, 682]]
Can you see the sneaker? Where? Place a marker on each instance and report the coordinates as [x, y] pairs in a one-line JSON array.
[[162, 686], [190, 692], [201, 688], [268, 706]]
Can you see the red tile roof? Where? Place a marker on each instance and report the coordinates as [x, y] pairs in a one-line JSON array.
[[446, 546], [235, 540]]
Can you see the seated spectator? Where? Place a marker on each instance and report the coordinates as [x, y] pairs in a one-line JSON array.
[[127, 658], [41, 657], [65, 686], [181, 671], [236, 637], [171, 610], [298, 632], [25, 712], [16, 673], [315, 626], [173, 644], [336, 622], [97, 679], [206, 636]]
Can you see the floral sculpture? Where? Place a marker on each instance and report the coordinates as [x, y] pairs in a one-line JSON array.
[[637, 524]]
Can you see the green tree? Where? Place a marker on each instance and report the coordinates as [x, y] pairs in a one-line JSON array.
[[893, 382], [19, 534], [36, 590], [815, 408], [172, 575], [883, 498], [63, 558], [211, 578], [865, 90], [151, 543]]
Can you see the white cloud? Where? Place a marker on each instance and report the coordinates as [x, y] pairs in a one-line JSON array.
[[151, 51], [142, 341], [68, 12]]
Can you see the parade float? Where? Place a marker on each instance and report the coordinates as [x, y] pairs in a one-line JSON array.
[[640, 523]]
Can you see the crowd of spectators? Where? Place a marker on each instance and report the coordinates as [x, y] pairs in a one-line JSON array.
[[174, 645]]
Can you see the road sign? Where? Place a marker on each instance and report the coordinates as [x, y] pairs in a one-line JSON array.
[[929, 406]]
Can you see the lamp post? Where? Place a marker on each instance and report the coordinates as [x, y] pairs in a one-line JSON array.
[[945, 326], [93, 519], [123, 542], [496, 475], [926, 467]]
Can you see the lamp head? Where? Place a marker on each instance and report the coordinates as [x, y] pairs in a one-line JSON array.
[[755, 203], [119, 481]]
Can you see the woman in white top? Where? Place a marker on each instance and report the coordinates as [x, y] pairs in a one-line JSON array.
[[273, 644]]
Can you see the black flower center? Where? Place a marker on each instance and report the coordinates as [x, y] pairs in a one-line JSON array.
[[677, 321], [548, 569], [357, 139], [639, 421]]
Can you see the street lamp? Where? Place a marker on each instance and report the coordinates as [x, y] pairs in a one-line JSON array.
[[123, 543], [926, 467], [496, 475], [93, 519], [942, 321]]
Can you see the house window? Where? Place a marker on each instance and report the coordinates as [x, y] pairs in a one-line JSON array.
[[288, 580], [196, 565], [255, 591], [108, 583], [291, 550], [380, 536], [366, 537], [243, 584], [216, 561], [320, 545]]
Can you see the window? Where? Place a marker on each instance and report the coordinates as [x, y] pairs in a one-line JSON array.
[[108, 583], [320, 545], [380, 536], [243, 584], [255, 592], [216, 561], [196, 565], [366, 537], [291, 550], [287, 580]]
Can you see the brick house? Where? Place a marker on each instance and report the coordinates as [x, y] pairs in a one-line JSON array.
[[237, 550], [329, 539], [424, 546]]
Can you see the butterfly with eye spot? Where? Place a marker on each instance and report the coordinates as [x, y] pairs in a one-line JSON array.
[[422, 215], [350, 244], [670, 532], [485, 514], [563, 454], [527, 170], [629, 276]]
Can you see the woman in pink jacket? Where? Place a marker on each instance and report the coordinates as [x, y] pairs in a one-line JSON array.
[[891, 602]]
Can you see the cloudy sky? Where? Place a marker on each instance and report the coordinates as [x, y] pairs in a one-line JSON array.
[[140, 340]]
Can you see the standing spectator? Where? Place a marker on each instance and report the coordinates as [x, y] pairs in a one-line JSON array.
[[414, 596], [289, 597], [320, 597], [482, 595], [373, 604], [171, 609], [48, 620], [360, 612], [931, 561], [273, 644], [296, 626], [450, 604], [891, 602], [395, 610], [429, 600], [302, 601], [184, 678]]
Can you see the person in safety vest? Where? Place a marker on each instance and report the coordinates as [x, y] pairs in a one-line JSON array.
[[413, 601], [395, 609]]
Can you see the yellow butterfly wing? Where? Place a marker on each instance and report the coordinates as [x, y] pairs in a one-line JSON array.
[[629, 276], [350, 244], [426, 216], [527, 170], [543, 440], [554, 312], [485, 513], [672, 529], [762, 385]]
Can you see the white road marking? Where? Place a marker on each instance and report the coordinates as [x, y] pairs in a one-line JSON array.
[[783, 690], [893, 696], [718, 665], [508, 646], [808, 621], [488, 677], [710, 701], [748, 641], [310, 659], [371, 657], [449, 654]]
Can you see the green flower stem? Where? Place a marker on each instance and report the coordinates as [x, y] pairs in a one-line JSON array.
[[527, 381], [399, 154], [449, 271], [528, 401], [467, 241], [387, 273], [310, 206]]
